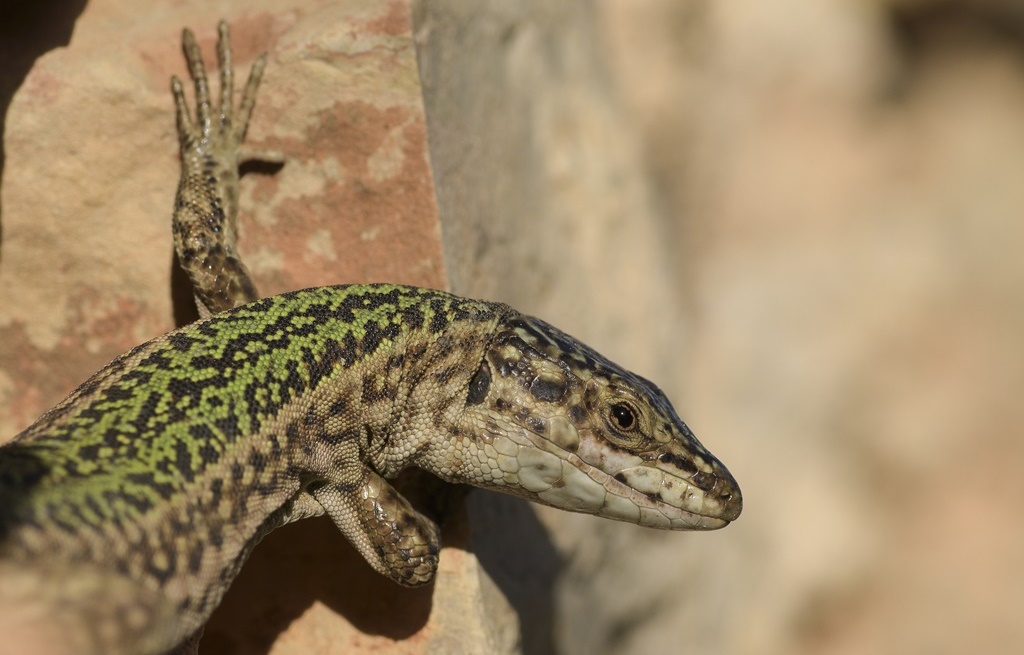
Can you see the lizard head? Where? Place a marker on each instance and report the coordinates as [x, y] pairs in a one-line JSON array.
[[550, 419]]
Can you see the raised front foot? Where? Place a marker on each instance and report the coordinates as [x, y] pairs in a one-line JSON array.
[[206, 206]]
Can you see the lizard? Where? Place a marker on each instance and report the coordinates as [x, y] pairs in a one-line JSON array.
[[128, 508]]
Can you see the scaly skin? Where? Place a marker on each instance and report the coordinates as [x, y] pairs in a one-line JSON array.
[[128, 509], [206, 205]]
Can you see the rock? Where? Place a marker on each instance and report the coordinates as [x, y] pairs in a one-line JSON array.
[[89, 175]]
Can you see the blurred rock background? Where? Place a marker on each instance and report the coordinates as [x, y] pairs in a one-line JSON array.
[[843, 179], [804, 219]]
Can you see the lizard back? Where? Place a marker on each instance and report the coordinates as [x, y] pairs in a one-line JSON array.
[[172, 461]]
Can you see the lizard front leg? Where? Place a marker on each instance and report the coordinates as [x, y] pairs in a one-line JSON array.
[[206, 205], [394, 538]]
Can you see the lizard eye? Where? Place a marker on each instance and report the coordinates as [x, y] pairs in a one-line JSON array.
[[623, 416]]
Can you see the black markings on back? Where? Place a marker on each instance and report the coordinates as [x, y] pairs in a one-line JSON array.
[[257, 462], [439, 321], [89, 452], [376, 334], [148, 480], [216, 536], [139, 502], [176, 409], [163, 571], [183, 460], [181, 342], [216, 491]]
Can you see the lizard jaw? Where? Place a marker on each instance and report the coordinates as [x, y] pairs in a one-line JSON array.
[[634, 494]]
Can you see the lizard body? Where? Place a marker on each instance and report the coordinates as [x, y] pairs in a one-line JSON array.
[[135, 501]]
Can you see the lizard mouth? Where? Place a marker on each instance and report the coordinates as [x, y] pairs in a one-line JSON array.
[[634, 494], [713, 494], [651, 507]]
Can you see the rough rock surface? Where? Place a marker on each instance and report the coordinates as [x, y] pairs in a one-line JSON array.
[[89, 171], [546, 206], [846, 181]]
